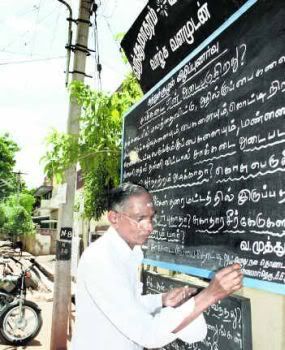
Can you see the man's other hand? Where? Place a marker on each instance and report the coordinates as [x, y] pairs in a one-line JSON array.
[[178, 296]]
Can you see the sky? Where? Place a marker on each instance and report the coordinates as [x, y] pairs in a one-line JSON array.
[[33, 98]]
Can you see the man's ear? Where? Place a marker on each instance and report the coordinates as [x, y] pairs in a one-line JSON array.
[[112, 217]]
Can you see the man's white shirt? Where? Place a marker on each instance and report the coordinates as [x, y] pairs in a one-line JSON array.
[[112, 314]]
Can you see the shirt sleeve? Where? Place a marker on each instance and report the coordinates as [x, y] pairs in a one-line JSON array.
[[152, 302], [195, 331], [121, 305]]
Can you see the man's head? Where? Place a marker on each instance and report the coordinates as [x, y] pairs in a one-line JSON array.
[[131, 213]]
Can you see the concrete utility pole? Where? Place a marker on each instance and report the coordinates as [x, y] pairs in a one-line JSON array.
[[62, 284]]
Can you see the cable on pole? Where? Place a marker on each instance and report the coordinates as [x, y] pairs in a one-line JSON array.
[[82, 73], [82, 48], [98, 65], [69, 40]]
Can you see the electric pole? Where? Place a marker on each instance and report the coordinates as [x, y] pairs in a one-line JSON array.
[[62, 283]]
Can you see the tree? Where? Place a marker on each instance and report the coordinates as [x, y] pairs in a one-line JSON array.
[[23, 199], [16, 204], [98, 147], [8, 181], [15, 215], [2, 216]]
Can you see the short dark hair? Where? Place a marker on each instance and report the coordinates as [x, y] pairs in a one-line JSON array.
[[119, 196]]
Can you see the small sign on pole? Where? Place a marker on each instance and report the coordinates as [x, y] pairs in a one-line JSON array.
[[65, 233]]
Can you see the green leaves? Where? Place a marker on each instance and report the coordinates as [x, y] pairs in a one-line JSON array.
[[62, 151], [16, 204], [18, 221], [98, 146], [8, 149], [24, 200], [15, 214]]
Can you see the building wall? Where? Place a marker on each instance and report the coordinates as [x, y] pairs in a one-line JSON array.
[[43, 243], [268, 319]]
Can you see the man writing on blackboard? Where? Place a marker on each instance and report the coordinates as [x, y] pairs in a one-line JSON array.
[[111, 313]]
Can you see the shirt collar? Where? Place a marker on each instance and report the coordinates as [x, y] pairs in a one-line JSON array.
[[123, 248]]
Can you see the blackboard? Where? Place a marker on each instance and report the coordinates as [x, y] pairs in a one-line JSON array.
[[228, 322], [165, 32], [208, 142]]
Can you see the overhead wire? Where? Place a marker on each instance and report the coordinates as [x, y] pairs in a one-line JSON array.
[[13, 41], [20, 37], [40, 17], [113, 35], [96, 55], [35, 31], [54, 31], [69, 40], [32, 60], [112, 11], [26, 12], [14, 52]]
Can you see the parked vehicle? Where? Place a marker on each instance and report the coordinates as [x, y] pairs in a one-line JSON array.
[[20, 319]]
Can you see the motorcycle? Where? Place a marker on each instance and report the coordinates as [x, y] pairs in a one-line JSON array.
[[20, 319]]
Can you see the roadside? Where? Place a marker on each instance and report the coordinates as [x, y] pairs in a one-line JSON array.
[[43, 297]]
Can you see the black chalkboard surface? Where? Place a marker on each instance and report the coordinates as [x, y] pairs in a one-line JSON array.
[[228, 322], [165, 31], [208, 143]]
